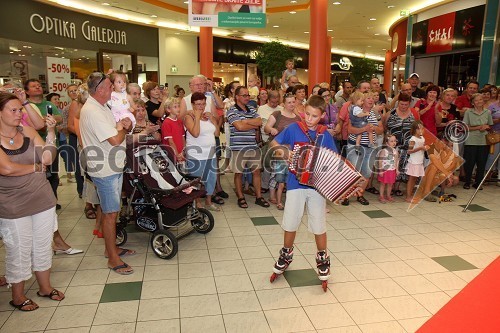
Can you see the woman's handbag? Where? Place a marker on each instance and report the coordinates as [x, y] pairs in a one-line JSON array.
[[492, 138]]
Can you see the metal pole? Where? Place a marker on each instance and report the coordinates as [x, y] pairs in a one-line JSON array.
[[480, 184]]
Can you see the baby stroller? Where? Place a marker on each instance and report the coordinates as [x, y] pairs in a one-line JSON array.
[[160, 199]]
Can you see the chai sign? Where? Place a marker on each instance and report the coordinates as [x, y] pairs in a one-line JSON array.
[[440, 33]]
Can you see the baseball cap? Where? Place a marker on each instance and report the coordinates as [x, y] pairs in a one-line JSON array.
[[414, 74]]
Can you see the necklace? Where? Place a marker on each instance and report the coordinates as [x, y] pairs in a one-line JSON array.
[[11, 139]]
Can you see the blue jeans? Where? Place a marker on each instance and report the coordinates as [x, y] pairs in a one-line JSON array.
[[206, 170], [109, 190]]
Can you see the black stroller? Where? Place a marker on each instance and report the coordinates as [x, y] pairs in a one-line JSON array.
[[160, 199]]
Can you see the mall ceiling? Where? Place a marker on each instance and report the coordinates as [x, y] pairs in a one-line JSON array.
[[359, 26]]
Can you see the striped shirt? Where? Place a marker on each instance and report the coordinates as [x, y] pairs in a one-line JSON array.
[[239, 140], [372, 119]]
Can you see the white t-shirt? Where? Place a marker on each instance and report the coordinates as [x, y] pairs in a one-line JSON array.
[[97, 125], [202, 147], [417, 157], [264, 112]]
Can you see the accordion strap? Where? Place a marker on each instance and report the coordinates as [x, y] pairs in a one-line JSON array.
[[319, 130]]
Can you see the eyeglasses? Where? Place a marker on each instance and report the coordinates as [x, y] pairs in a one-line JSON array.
[[103, 77], [244, 96], [200, 104], [326, 96]]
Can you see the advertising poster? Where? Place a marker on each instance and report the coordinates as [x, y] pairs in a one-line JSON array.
[[227, 13], [58, 78]]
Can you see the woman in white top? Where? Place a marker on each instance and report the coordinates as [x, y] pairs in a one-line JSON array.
[[201, 161]]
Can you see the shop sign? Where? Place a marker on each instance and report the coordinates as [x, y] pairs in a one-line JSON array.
[[453, 31], [227, 13], [37, 22], [58, 77], [67, 29]]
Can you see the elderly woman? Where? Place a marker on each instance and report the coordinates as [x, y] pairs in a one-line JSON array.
[[143, 127], [27, 204], [364, 157], [200, 146], [478, 119]]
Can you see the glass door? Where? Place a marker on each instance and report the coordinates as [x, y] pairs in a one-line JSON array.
[[121, 61]]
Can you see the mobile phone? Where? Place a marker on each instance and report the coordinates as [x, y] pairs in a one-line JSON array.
[[11, 90], [166, 84], [49, 109], [162, 87]]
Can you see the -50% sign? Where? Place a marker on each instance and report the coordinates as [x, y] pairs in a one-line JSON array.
[[59, 68]]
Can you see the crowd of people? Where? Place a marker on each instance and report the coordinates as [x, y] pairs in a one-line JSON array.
[[382, 137]]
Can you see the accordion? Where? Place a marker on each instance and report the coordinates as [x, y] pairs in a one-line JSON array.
[[330, 174]]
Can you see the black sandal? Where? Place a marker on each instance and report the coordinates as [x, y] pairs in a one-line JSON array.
[[363, 201], [372, 190], [262, 202], [397, 193], [218, 200], [242, 203]]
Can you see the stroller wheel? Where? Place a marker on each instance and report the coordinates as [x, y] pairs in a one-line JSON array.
[[121, 236], [205, 223], [164, 244]]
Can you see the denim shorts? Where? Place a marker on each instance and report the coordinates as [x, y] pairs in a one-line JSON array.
[[206, 170], [363, 160], [280, 168], [109, 190]]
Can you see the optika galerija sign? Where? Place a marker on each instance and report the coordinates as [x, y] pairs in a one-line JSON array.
[[67, 29]]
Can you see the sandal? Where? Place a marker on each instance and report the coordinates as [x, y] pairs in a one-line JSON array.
[[372, 190], [218, 200], [213, 208], [363, 201], [397, 193], [345, 202], [242, 203], [125, 253], [51, 295], [390, 199], [273, 201], [262, 202], [222, 194], [280, 206], [90, 213], [23, 304], [382, 199], [249, 191], [122, 266]]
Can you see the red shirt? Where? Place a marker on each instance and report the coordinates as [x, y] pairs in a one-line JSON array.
[[344, 116], [428, 118], [463, 102], [173, 128]]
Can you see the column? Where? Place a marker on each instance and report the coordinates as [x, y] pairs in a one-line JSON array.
[[206, 51], [328, 59], [317, 37], [409, 36], [488, 56], [388, 73]]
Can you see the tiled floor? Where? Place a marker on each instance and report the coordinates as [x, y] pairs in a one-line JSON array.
[[391, 271]]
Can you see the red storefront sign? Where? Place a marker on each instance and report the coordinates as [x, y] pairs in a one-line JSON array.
[[440, 33]]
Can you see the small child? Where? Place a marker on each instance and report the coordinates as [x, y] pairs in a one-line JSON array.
[[297, 196], [119, 102], [416, 150], [388, 165], [359, 118], [172, 130], [280, 170], [289, 71], [253, 90]]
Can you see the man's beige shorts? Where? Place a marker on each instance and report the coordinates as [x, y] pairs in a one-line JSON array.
[[246, 158]]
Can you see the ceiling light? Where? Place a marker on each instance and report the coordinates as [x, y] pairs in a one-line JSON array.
[[306, 32], [186, 2], [276, 26], [330, 30], [11, 52], [56, 54], [292, 12], [373, 19], [154, 16], [377, 34], [368, 46], [105, 4], [336, 3], [177, 33], [293, 1], [390, 6]]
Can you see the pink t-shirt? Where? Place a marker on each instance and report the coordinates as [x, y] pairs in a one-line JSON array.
[[344, 116]]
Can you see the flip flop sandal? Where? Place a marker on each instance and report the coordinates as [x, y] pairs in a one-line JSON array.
[[90, 213], [23, 304], [125, 253], [218, 200], [242, 203], [262, 202], [280, 206], [273, 201], [124, 265], [51, 295], [372, 190]]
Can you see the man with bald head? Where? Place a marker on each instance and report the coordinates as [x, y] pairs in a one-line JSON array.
[[405, 89]]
